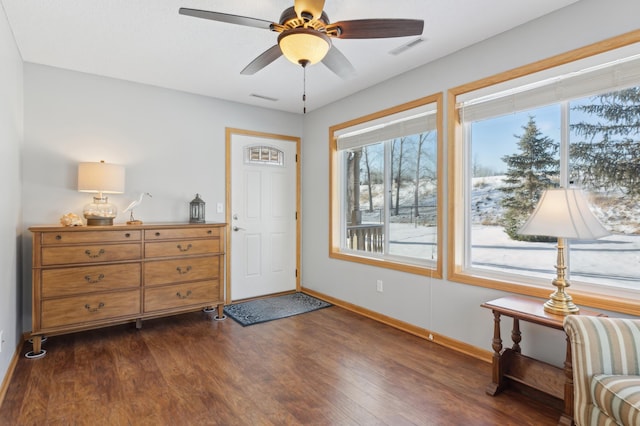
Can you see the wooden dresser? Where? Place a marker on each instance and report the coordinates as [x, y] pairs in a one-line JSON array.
[[95, 276]]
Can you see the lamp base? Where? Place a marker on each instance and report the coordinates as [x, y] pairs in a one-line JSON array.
[[99, 221], [134, 222], [100, 212], [560, 304]]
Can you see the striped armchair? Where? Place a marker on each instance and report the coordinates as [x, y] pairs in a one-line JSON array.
[[606, 369]]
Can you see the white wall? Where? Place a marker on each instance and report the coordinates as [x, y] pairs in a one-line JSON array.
[[11, 128], [172, 145], [442, 306]]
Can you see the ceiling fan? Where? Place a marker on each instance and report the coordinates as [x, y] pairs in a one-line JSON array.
[[306, 33]]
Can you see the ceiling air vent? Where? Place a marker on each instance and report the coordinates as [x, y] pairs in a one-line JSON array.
[[266, 98], [407, 46]]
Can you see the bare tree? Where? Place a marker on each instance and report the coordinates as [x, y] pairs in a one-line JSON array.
[[368, 168], [399, 174], [353, 186], [392, 168], [422, 137]]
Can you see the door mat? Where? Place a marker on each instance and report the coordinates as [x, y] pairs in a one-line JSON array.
[[273, 308]]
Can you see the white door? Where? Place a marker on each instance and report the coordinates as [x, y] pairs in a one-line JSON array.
[[262, 215]]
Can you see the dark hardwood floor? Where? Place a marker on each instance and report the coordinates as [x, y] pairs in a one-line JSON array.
[[328, 367]]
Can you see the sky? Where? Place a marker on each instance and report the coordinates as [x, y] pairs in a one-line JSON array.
[[494, 138], [497, 137]]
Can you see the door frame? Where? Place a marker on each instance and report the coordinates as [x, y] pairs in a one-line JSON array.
[[229, 133]]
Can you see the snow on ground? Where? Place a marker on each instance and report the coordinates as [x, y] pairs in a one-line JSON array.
[[485, 200], [619, 213], [613, 260]]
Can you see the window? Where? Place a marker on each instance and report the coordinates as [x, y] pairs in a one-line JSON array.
[[261, 154], [385, 188], [576, 124]]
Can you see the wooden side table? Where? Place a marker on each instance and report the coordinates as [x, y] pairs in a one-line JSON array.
[[509, 364]]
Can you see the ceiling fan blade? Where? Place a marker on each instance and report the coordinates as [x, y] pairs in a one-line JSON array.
[[313, 7], [225, 17], [376, 28], [339, 64], [268, 56]]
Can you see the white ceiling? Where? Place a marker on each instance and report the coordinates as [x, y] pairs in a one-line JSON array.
[[147, 41]]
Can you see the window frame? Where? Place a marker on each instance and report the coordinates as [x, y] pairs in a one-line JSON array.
[[458, 160], [335, 192]]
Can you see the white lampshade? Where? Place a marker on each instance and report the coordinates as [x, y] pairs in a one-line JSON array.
[[101, 178], [304, 45], [564, 213]]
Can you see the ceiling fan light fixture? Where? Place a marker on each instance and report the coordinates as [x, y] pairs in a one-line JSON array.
[[304, 45]]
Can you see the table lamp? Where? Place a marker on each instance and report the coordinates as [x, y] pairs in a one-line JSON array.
[[563, 213], [100, 178]]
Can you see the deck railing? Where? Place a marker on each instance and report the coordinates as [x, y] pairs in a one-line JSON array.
[[366, 237]]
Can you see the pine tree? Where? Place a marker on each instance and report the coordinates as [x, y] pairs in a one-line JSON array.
[[529, 173], [609, 157]]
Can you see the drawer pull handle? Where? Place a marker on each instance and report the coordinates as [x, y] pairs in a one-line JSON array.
[[58, 237], [183, 249], [93, 256], [92, 281], [182, 272], [127, 235], [90, 309], [157, 234], [209, 232], [185, 296]]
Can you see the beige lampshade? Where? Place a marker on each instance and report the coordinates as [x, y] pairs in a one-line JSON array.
[[303, 45], [101, 177], [564, 213]]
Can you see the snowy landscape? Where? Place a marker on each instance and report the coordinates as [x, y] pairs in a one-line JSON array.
[[613, 260]]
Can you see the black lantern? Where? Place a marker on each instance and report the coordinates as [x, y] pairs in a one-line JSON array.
[[196, 210]]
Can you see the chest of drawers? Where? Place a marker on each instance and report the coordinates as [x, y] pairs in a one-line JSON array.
[[90, 277]]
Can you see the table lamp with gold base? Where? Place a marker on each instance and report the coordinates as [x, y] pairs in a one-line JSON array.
[[563, 213]]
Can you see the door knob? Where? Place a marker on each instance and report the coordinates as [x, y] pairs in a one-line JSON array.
[[237, 228]]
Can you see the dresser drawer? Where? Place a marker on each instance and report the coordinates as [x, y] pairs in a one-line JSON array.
[[181, 248], [181, 295], [90, 253], [78, 237], [181, 233], [89, 279], [91, 307], [180, 270]]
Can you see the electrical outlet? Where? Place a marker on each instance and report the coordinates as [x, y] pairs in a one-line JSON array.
[[379, 286]]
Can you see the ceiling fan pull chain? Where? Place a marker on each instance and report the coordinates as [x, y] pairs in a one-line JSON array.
[[304, 89]]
